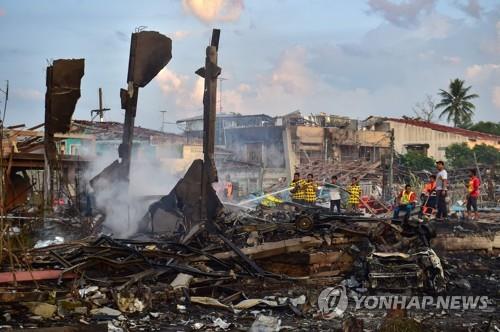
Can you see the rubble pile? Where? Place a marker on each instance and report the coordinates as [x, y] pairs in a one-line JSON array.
[[274, 269]]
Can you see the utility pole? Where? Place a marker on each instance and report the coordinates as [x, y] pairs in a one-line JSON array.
[[2, 180], [100, 111], [6, 93], [391, 165], [220, 92], [162, 129]]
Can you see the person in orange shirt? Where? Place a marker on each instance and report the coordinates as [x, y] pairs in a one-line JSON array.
[[228, 188], [472, 194], [429, 196]]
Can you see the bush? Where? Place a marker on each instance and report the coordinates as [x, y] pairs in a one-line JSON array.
[[416, 161]]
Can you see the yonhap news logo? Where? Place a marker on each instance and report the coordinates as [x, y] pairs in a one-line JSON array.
[[333, 302]]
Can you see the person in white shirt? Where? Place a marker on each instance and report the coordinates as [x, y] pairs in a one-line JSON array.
[[334, 192], [441, 191]]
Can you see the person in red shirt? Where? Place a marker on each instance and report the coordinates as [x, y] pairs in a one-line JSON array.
[[472, 193]]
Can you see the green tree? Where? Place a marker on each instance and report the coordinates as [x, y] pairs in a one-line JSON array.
[[459, 155], [416, 161], [487, 127], [456, 103], [487, 155]]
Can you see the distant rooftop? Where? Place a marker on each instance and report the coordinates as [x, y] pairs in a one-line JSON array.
[[443, 128], [225, 115], [114, 130]]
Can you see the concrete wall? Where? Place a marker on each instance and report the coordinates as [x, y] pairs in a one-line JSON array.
[[180, 164], [437, 140]]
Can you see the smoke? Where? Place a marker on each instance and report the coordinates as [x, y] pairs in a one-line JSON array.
[[214, 10], [149, 175]]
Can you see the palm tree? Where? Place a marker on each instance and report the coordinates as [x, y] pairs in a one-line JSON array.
[[456, 103]]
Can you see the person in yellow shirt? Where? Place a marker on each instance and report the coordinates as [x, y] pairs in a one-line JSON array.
[[405, 201], [310, 190], [297, 191], [354, 191]]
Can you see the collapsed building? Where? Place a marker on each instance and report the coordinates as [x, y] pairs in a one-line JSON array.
[[269, 150], [196, 263]]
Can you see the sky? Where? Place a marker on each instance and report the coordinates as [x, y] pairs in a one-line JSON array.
[[351, 58]]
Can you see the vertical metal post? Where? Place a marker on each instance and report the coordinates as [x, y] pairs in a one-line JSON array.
[[210, 73], [101, 113], [125, 151]]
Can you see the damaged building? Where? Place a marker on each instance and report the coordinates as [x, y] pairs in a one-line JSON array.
[[265, 150]]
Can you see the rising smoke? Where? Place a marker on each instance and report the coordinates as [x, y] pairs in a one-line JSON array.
[[124, 209]]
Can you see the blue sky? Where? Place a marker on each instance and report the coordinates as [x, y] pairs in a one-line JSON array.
[[355, 58]]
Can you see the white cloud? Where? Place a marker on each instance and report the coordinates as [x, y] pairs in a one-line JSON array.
[[403, 14], [471, 7], [170, 82], [28, 94], [291, 73], [186, 93], [480, 73], [495, 97], [453, 60], [214, 10], [179, 35]]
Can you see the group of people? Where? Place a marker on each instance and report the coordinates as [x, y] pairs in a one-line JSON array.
[[434, 195], [305, 191]]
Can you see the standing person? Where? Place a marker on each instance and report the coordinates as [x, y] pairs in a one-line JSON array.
[[354, 191], [406, 201], [441, 191], [297, 190], [334, 193], [228, 188], [429, 196], [310, 190], [472, 194]]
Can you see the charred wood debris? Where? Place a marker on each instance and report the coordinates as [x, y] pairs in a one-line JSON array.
[[196, 264]]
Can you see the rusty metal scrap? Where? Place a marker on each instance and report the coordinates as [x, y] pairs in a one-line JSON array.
[[150, 51], [63, 91]]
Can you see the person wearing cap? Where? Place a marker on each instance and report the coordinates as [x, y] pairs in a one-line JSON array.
[[441, 191]]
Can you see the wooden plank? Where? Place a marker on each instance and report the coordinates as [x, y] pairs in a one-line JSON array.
[[271, 248], [81, 328]]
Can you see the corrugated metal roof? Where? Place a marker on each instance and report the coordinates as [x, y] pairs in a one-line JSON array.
[[111, 129], [225, 115]]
